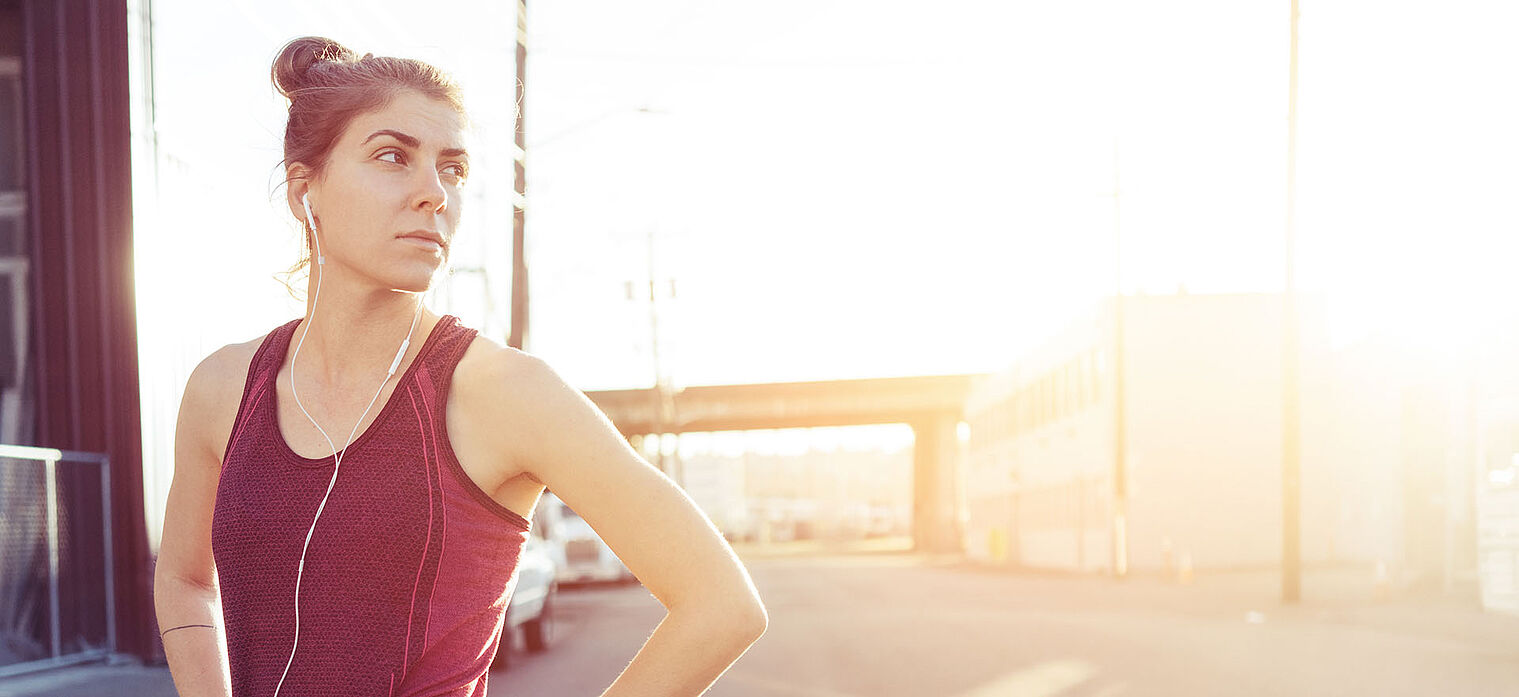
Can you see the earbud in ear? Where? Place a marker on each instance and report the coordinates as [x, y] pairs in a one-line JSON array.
[[311, 220], [306, 201]]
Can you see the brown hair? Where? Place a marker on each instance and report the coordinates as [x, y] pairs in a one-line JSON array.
[[328, 85]]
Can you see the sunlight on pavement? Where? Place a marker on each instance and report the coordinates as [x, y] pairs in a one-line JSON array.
[[1041, 680], [780, 687]]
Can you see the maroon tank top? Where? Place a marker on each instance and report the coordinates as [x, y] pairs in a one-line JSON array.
[[409, 570]]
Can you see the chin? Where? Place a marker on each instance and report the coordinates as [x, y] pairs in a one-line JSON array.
[[415, 284]]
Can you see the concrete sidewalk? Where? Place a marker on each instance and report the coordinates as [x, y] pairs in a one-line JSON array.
[[121, 678]]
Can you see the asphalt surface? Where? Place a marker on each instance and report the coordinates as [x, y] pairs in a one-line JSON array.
[[889, 623]]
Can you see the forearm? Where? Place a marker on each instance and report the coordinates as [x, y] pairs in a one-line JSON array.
[[687, 652], [197, 660]]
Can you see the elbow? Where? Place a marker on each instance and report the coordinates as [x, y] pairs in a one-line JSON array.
[[748, 617], [741, 633], [753, 616], [758, 620], [167, 583], [745, 624]]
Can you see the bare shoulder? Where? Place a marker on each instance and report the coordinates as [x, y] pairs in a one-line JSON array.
[[214, 390], [486, 357], [504, 390]]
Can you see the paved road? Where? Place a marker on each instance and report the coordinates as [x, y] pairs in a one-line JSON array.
[[883, 625], [887, 625]]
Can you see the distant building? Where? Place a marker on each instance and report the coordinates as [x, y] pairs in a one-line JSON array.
[[1203, 395], [1494, 398], [1401, 486], [716, 483], [1407, 456], [818, 493]]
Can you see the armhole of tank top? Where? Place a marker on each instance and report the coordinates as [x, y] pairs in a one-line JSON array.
[[451, 359], [243, 403]]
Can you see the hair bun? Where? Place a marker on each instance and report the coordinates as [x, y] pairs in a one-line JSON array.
[[289, 72]]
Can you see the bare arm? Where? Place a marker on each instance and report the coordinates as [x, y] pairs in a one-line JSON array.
[[184, 581], [555, 434]]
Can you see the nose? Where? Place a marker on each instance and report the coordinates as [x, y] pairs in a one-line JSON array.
[[430, 196]]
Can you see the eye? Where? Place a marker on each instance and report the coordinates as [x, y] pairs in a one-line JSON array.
[[461, 172], [397, 153]]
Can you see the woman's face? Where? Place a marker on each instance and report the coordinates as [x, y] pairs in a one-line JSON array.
[[394, 172]]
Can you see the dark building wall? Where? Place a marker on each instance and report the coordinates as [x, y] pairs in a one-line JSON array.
[[82, 315]]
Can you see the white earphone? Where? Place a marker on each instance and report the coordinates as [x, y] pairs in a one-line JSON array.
[[337, 455]]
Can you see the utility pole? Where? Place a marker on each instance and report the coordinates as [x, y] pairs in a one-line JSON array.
[[1291, 479], [1120, 465], [664, 397], [518, 337], [661, 394]]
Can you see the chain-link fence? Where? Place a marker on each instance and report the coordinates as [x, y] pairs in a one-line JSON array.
[[56, 596]]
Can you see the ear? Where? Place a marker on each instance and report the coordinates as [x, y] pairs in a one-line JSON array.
[[298, 176]]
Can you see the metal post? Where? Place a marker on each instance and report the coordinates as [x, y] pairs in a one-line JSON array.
[[50, 467], [1291, 547], [1120, 466], [110, 559], [659, 380], [1081, 521]]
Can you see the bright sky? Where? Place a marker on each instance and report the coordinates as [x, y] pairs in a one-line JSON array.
[[850, 189], [854, 189]]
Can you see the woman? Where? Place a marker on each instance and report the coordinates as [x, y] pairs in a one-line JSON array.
[[295, 564]]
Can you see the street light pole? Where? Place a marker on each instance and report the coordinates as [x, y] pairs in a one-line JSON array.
[[1120, 465], [664, 412], [665, 417], [664, 397], [1291, 467], [661, 409]]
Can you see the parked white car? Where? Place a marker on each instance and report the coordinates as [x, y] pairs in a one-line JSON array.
[[579, 553], [530, 610]]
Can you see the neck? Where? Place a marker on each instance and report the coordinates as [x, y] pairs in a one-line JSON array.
[[350, 339]]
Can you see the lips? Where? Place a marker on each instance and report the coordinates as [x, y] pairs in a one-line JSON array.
[[429, 235], [429, 245]]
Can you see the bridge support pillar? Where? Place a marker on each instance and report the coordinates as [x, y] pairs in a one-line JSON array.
[[936, 469]]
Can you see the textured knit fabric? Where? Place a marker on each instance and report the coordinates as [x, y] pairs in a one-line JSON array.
[[409, 570]]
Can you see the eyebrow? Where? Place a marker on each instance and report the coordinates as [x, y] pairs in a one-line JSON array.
[[411, 142]]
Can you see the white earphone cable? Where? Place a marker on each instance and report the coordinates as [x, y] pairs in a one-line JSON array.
[[337, 455]]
